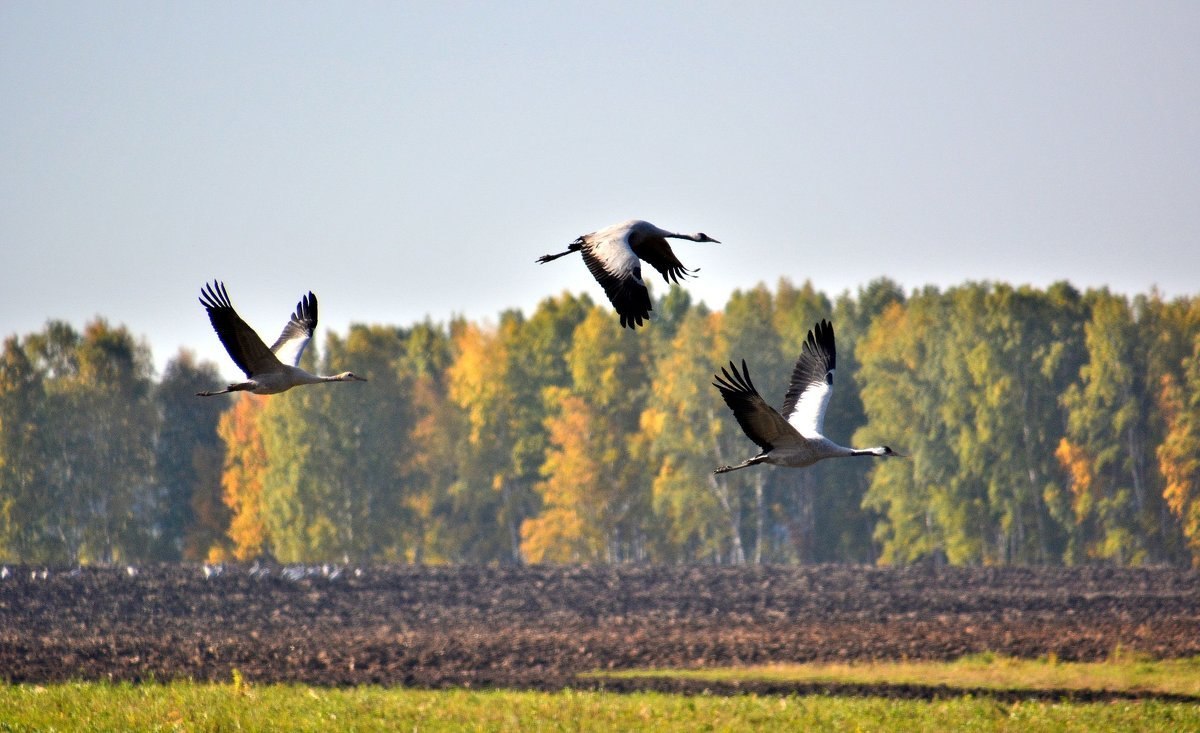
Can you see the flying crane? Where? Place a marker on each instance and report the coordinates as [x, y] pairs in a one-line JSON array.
[[268, 371], [614, 255], [794, 437]]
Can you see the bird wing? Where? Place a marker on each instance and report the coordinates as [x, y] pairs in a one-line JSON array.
[[654, 249], [244, 346], [759, 421], [298, 332], [812, 382], [618, 270]]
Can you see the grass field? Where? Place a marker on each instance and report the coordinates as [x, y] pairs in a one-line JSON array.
[[239, 706], [1121, 673]]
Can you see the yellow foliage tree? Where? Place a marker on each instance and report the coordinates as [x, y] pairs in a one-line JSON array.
[[475, 377], [435, 467], [680, 433], [1078, 465], [478, 382], [1179, 453], [586, 468], [901, 377], [242, 478], [568, 528]]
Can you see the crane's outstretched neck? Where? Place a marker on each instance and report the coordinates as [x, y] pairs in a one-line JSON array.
[[880, 451], [697, 237], [343, 377]]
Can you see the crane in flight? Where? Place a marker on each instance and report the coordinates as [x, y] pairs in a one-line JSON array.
[[614, 255], [268, 371], [794, 437]]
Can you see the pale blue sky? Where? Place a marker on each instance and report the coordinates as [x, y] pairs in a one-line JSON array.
[[413, 159]]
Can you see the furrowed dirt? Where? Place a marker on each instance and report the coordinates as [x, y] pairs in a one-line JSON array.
[[538, 627]]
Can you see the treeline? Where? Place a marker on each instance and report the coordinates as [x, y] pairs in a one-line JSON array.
[[1040, 426]]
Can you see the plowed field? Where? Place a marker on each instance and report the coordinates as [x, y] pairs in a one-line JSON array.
[[540, 626]]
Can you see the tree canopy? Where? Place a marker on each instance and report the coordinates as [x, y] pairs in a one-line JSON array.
[[1040, 426]]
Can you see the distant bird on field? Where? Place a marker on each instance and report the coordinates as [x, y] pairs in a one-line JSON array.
[[793, 438], [268, 371], [612, 255]]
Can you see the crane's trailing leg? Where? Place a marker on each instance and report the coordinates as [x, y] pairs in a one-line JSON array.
[[231, 388], [744, 464], [574, 247]]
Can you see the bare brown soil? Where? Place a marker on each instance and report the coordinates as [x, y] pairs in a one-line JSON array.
[[538, 627]]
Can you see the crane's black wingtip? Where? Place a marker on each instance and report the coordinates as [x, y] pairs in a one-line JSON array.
[[742, 378], [734, 381], [213, 295], [632, 322]]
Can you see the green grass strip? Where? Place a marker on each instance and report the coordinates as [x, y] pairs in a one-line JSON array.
[[1121, 673], [183, 706]]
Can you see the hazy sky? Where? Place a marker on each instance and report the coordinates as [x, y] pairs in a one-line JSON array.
[[412, 159]]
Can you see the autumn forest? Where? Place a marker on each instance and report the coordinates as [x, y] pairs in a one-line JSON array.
[[1040, 426]]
